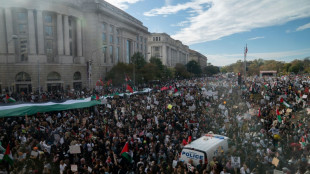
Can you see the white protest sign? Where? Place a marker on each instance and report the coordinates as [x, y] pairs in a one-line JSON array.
[[235, 162], [139, 117], [34, 153], [304, 96], [109, 106], [75, 149], [74, 168]]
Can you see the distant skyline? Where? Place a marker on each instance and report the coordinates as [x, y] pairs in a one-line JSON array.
[[220, 29]]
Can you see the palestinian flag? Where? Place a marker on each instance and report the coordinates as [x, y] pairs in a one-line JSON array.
[[125, 152], [8, 156], [286, 104], [175, 88], [259, 113], [9, 99], [129, 88]]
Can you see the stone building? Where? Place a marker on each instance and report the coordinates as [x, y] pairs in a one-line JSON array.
[[198, 57], [170, 51], [64, 44]]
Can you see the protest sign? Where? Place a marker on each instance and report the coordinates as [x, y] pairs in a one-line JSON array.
[[275, 161], [74, 168], [235, 162], [75, 149], [109, 106], [34, 153], [169, 106]]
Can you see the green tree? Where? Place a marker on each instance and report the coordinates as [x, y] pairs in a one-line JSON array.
[[117, 73], [193, 67], [138, 60], [181, 72], [211, 70]]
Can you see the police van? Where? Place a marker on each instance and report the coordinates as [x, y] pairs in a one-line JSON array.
[[204, 148]]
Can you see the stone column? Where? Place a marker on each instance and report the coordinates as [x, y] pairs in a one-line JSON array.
[[79, 38], [60, 38], [9, 31], [66, 35], [40, 32], [2, 33], [31, 32]]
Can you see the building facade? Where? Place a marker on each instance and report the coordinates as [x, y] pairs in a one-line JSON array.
[[198, 57], [170, 51], [64, 44]]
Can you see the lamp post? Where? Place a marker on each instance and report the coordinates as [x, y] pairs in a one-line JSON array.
[[89, 63]]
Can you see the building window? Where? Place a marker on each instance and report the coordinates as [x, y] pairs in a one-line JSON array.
[[117, 54], [22, 28], [49, 31], [137, 38], [111, 53], [145, 40], [21, 16], [141, 47], [111, 29], [104, 52], [156, 38], [71, 48], [111, 39], [118, 32], [70, 34], [49, 47], [48, 19], [103, 26], [156, 48], [153, 38], [23, 50], [117, 40], [141, 39], [77, 76], [128, 51], [104, 38]]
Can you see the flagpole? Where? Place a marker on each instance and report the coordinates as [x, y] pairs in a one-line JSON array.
[[245, 52]]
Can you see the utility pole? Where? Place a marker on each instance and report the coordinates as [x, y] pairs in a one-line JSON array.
[[245, 52]]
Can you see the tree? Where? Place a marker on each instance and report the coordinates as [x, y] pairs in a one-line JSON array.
[[193, 67], [211, 70], [180, 71], [138, 60], [117, 73]]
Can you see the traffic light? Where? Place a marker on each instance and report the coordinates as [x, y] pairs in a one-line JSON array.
[[239, 78]]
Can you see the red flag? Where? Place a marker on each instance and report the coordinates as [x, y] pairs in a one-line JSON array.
[[281, 100], [259, 114], [184, 142], [189, 139], [97, 97], [175, 88], [278, 112], [129, 88], [125, 148], [7, 96]]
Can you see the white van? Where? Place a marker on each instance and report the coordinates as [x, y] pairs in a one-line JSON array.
[[204, 148]]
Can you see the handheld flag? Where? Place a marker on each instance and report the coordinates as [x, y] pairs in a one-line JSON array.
[[129, 88], [8, 156], [125, 152]]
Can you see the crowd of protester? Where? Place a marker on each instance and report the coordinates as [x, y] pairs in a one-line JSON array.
[[265, 118]]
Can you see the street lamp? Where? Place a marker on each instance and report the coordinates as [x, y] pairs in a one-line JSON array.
[[89, 63]]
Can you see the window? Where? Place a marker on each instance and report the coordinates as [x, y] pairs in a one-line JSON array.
[[77, 76], [104, 52], [118, 32], [48, 19], [111, 29], [22, 28], [49, 47], [156, 48], [137, 38], [145, 40], [128, 51], [103, 26], [70, 34], [156, 38], [117, 54], [111, 38], [111, 53], [141, 39], [70, 48], [53, 76], [21, 16], [23, 50], [153, 38], [117, 40], [141, 47], [49, 31], [104, 38], [22, 77]]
